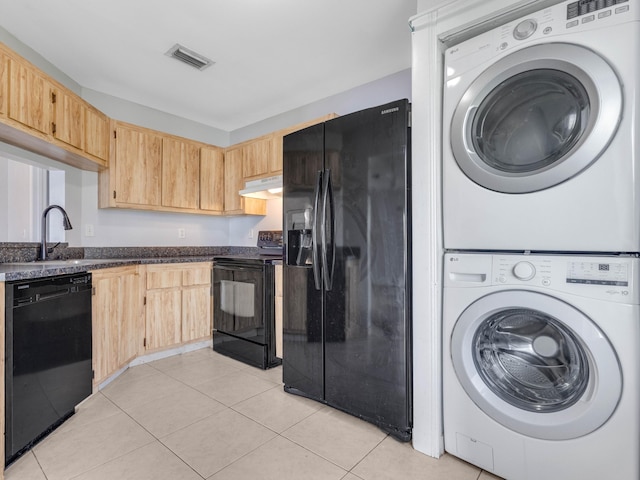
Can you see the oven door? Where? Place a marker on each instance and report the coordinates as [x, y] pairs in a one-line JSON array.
[[238, 320]]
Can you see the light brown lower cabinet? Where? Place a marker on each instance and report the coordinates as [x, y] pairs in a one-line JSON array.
[[116, 319], [178, 304], [138, 309]]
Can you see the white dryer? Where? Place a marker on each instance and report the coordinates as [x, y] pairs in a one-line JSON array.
[[540, 365], [541, 124]]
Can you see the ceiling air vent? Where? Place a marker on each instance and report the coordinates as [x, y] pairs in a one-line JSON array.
[[189, 57]]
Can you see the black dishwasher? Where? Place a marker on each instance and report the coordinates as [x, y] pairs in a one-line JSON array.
[[47, 358]]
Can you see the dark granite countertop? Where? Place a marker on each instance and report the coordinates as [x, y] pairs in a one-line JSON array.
[[28, 270], [17, 261]]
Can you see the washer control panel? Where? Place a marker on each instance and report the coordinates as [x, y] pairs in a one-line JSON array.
[[516, 269], [611, 278], [598, 273]]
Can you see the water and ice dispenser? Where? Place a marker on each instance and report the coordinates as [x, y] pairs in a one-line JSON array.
[[299, 237]]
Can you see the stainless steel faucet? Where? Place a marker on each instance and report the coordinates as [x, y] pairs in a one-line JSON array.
[[66, 223]]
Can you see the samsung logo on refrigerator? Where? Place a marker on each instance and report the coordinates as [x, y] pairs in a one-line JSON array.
[[389, 110]]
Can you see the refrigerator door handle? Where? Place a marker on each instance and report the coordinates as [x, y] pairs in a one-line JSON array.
[[327, 204], [315, 263]]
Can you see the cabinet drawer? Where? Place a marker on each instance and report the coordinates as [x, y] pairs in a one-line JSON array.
[[197, 275], [163, 277]]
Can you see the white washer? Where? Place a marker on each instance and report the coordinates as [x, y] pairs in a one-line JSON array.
[[541, 123], [540, 365]]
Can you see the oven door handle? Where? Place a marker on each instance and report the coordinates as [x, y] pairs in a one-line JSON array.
[[315, 261], [237, 267]]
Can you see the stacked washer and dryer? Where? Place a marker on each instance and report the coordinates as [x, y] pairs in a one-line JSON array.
[[541, 211]]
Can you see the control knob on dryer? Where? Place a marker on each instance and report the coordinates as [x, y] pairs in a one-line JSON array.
[[524, 270]]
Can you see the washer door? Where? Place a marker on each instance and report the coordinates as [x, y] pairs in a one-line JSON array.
[[536, 118], [536, 365]]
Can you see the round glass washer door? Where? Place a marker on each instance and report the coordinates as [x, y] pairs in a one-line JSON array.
[[536, 365], [536, 118]]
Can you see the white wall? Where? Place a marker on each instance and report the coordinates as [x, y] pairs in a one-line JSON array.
[[137, 114], [243, 230], [387, 89], [4, 202], [135, 228], [17, 208], [23, 194]]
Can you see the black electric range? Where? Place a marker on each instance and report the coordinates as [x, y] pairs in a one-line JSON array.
[[244, 303]]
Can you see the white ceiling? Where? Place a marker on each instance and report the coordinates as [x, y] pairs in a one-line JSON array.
[[271, 55]]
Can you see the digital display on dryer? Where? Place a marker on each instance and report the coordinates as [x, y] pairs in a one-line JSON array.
[[597, 273]]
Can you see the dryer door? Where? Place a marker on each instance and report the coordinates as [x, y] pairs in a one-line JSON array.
[[536, 365], [536, 118]]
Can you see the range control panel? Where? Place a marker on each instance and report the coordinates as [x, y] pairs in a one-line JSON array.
[[270, 239]]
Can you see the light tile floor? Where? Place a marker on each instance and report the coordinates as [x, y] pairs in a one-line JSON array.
[[201, 415]]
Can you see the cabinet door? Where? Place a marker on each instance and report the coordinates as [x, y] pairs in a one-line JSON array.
[[211, 179], [29, 101], [256, 157], [105, 325], [180, 174], [138, 157], [196, 312], [68, 118], [275, 161], [233, 181], [131, 316], [163, 317], [96, 134], [4, 83]]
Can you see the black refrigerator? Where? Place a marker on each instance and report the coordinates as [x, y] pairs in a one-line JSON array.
[[346, 276]]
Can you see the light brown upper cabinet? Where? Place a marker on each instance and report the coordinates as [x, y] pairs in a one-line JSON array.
[[29, 96], [79, 125], [39, 114], [136, 167], [68, 118], [257, 157], [96, 133], [151, 170], [212, 179], [180, 174], [4, 83], [234, 204]]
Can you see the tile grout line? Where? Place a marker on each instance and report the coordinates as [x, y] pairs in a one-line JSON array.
[[156, 439]]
